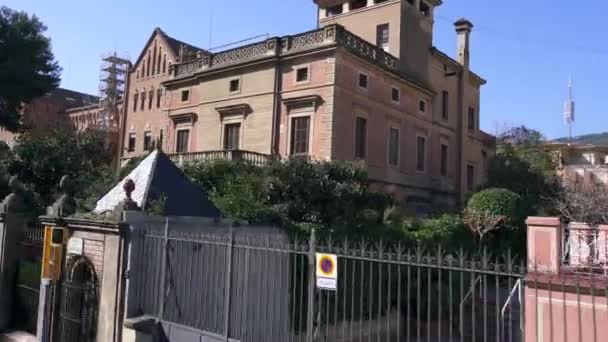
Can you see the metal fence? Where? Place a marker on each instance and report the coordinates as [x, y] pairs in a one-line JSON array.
[[27, 287], [256, 284]]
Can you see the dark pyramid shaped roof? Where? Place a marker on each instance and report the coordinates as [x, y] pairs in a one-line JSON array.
[[156, 176]]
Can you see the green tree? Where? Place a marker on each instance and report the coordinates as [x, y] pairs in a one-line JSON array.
[[27, 65], [297, 193], [522, 165], [40, 162]]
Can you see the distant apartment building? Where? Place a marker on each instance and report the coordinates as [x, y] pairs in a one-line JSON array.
[[48, 112], [583, 167], [366, 86]]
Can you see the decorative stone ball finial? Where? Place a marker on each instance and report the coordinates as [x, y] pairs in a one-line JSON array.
[[129, 203], [129, 187]]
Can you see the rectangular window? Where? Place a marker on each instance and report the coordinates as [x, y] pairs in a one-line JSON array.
[[131, 145], [159, 95], [395, 95], [235, 85], [470, 177], [360, 138], [147, 141], [150, 98], [334, 10], [421, 154], [363, 80], [143, 100], [444, 160], [185, 95], [471, 119], [300, 128], [422, 106], [445, 98], [183, 138], [393, 146], [302, 74], [231, 136], [382, 37], [356, 4], [135, 100]]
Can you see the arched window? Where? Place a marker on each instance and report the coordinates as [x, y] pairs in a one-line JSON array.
[[137, 74], [143, 69], [159, 54], [149, 62], [154, 60], [164, 63]]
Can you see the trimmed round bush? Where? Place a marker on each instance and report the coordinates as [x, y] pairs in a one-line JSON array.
[[498, 202]]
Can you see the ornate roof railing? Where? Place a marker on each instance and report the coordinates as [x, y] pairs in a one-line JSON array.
[[331, 35]]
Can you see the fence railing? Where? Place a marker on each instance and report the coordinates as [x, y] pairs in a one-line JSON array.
[[585, 249], [255, 284], [255, 158], [323, 37]]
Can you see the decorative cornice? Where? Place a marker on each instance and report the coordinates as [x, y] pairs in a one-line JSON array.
[[183, 117], [315, 100], [238, 109]]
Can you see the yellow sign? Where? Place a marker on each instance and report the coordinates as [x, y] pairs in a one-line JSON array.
[[327, 271], [51, 255]]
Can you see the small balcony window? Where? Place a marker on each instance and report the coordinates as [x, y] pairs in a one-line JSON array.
[[300, 130], [334, 10], [231, 136], [183, 139], [382, 37], [354, 5]]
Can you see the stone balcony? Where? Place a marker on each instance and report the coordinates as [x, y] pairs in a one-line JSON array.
[[326, 37], [255, 158]]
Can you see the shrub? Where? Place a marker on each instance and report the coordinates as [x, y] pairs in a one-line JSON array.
[[498, 202], [507, 233]]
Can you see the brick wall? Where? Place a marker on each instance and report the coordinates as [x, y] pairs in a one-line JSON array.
[[94, 244]]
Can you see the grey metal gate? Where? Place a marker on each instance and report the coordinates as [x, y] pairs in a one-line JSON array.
[[78, 302]]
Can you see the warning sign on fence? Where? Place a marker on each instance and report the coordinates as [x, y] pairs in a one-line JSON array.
[[327, 271]]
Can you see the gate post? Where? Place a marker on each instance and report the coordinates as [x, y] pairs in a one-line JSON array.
[[12, 225], [44, 310], [228, 293], [310, 313]]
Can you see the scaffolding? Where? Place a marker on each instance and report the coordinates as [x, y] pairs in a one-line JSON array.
[[114, 71]]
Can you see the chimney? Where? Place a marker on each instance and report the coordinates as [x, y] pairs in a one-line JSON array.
[[463, 31]]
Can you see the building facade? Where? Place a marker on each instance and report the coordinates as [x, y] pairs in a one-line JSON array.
[[48, 112], [366, 86], [582, 167]]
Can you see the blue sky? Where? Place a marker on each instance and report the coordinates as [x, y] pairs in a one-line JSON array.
[[525, 49]]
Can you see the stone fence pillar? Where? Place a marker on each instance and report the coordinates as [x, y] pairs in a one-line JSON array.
[[544, 245], [12, 226]]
